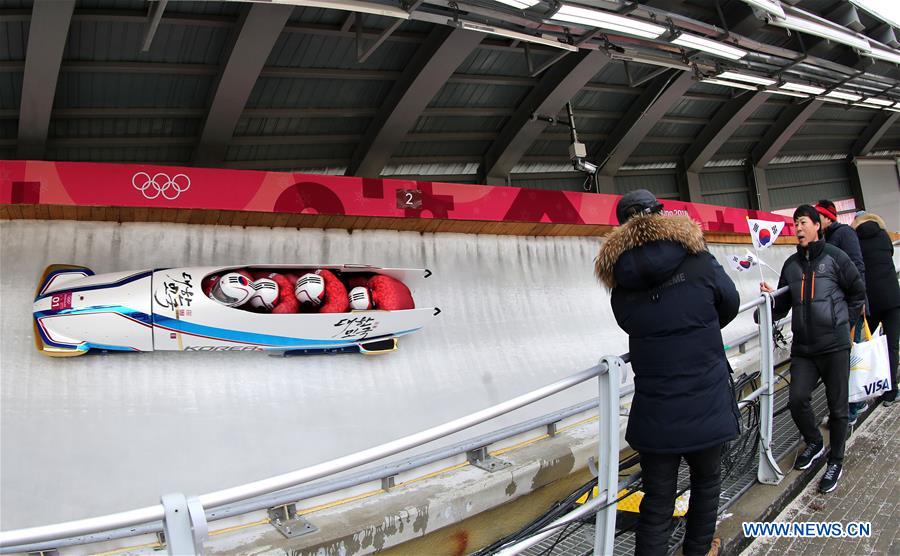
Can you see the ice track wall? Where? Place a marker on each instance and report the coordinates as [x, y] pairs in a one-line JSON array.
[[86, 436]]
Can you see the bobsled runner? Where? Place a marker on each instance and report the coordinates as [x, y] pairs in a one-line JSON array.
[[76, 311]]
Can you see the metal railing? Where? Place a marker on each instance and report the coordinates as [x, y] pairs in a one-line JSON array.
[[184, 520]]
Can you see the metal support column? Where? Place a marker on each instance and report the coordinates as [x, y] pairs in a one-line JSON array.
[[768, 471], [184, 525], [608, 454]]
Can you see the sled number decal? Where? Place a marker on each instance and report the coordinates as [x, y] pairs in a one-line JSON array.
[[61, 301]]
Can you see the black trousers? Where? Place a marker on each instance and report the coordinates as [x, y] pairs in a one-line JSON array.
[[891, 321], [659, 473], [834, 369]]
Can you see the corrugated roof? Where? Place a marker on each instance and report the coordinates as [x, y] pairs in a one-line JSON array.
[[10, 89], [149, 154], [647, 148], [300, 126], [614, 73], [472, 95], [124, 127], [119, 90], [299, 50], [602, 100], [818, 127], [114, 4], [694, 108], [543, 147], [437, 124], [667, 129], [661, 184], [574, 183], [807, 173], [740, 200], [202, 7], [817, 143], [284, 92], [768, 111], [13, 39], [798, 195], [289, 152], [484, 61], [710, 182], [120, 41], [587, 125], [838, 112], [9, 129], [475, 149]]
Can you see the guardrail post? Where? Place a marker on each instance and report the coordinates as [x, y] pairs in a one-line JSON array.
[[768, 471], [185, 524], [608, 460]]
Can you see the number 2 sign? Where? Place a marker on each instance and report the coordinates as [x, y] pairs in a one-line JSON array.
[[409, 198]]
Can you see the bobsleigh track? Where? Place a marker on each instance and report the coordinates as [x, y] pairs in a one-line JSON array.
[[86, 436]]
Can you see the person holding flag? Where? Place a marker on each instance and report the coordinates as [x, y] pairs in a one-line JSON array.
[[826, 294]]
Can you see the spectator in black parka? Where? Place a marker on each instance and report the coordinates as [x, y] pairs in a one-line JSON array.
[[672, 298], [882, 288]]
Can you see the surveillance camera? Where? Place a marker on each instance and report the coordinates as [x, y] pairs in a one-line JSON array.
[[583, 165]]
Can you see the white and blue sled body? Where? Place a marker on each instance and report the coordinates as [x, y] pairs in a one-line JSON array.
[[76, 311]]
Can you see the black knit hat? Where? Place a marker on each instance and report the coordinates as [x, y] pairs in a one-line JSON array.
[[639, 201]]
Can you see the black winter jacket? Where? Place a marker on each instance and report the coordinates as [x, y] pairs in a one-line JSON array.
[[672, 298], [882, 288], [844, 238], [826, 296]]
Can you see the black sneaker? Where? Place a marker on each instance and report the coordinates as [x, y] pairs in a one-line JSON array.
[[830, 478], [812, 452]]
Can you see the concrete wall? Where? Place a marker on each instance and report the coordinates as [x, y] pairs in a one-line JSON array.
[[881, 188]]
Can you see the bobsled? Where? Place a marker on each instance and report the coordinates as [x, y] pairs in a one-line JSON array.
[[76, 312]]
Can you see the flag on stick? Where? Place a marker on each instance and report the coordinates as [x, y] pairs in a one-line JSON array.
[[743, 263], [763, 232]]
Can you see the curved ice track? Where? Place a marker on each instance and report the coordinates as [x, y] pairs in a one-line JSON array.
[[91, 435]]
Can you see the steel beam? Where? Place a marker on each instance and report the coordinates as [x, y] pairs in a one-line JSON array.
[[689, 187], [558, 86], [47, 35], [759, 189], [727, 120], [873, 133], [432, 65], [156, 12], [791, 120], [659, 96], [259, 30]]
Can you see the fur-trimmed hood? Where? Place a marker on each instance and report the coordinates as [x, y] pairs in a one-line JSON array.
[[641, 230], [869, 217]]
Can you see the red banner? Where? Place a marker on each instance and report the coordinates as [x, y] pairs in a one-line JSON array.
[[144, 185]]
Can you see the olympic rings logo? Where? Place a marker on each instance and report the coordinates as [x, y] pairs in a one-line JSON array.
[[161, 184]]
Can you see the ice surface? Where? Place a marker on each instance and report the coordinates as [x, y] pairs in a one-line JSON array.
[[86, 436]]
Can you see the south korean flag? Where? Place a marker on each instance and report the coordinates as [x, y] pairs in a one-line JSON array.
[[743, 263], [763, 232]]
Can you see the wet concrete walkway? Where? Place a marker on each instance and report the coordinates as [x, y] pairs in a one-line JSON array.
[[869, 491]]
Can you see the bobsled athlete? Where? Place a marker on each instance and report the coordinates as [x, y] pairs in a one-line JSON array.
[[238, 289], [826, 295], [672, 298]]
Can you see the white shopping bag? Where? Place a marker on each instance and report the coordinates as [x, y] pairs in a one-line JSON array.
[[869, 365]]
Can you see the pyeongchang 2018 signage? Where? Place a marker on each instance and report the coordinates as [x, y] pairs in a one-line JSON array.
[[144, 185]]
